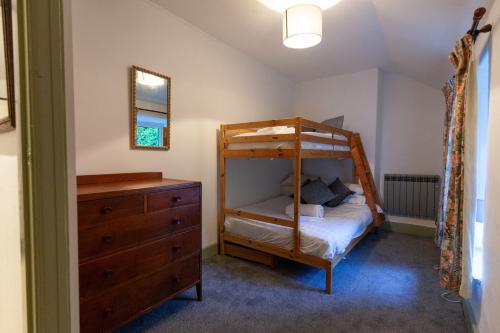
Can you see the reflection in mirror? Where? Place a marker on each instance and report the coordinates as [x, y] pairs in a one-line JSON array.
[[7, 103], [150, 110]]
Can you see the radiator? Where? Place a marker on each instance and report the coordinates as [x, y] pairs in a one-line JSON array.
[[412, 195]]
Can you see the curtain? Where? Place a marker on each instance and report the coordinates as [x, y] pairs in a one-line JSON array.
[[470, 176], [449, 95], [453, 198]]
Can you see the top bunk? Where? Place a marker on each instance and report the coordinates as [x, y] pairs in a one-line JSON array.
[[284, 138]]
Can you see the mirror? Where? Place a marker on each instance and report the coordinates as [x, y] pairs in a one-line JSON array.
[[7, 95], [150, 110]]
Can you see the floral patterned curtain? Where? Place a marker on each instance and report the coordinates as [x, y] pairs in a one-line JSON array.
[[453, 180], [449, 95]]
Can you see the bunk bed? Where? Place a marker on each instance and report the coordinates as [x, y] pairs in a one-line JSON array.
[[295, 139]]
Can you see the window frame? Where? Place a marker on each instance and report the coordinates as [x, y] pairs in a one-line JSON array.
[[482, 143]]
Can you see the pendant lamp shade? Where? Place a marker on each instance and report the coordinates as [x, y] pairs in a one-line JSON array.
[[302, 26], [282, 5]]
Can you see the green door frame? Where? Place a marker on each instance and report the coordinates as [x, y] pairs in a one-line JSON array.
[[44, 159]]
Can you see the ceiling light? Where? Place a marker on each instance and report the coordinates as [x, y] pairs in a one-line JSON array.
[[282, 5], [302, 26]]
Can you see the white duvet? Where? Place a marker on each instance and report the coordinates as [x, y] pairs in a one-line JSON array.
[[287, 144], [323, 237]]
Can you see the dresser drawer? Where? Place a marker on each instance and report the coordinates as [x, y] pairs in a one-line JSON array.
[[172, 198], [118, 305], [100, 274], [109, 237], [93, 212]]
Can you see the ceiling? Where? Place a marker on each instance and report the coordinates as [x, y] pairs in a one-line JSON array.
[[410, 37]]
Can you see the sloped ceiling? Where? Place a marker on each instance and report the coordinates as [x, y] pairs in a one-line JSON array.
[[410, 37]]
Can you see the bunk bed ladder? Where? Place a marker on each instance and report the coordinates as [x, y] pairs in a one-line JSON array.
[[364, 173]]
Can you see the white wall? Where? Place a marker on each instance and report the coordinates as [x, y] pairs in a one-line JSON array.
[[411, 127], [353, 95], [12, 261], [211, 84], [410, 132], [11, 273], [489, 320], [400, 121]]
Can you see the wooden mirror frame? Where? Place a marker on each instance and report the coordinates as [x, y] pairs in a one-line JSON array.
[[133, 110], [9, 122]]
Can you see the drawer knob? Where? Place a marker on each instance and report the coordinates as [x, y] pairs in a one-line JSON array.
[[177, 221], [176, 279], [177, 248], [177, 199], [107, 239], [106, 210], [108, 312], [108, 273]]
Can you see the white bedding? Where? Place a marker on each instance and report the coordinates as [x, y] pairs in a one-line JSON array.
[[324, 237], [287, 144]]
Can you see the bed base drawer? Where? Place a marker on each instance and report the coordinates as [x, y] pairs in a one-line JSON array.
[[250, 254]]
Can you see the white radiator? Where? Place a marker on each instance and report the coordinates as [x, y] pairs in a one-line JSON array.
[[411, 195]]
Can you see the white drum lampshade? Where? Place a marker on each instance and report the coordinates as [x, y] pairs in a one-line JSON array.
[[302, 26]]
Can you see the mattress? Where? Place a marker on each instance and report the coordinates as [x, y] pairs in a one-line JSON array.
[[323, 237], [288, 144]]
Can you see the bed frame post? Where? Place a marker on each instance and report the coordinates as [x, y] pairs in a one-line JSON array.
[[329, 278], [297, 164], [222, 189]]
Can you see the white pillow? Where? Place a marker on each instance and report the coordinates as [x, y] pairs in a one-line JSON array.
[[306, 210], [356, 188], [272, 129], [355, 199]]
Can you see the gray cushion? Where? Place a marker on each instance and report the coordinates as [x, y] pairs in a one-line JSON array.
[[335, 122], [316, 193], [302, 201], [341, 192]]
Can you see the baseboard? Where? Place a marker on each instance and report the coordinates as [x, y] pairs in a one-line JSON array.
[[469, 317], [409, 229], [411, 220], [210, 251]]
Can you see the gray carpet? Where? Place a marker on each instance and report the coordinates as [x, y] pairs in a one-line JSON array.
[[385, 285]]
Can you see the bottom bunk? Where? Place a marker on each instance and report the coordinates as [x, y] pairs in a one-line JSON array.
[[321, 237], [324, 240]]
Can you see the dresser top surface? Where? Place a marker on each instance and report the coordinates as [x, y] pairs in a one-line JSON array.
[[104, 189]]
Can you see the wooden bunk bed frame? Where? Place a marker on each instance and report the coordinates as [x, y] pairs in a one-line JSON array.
[[362, 172]]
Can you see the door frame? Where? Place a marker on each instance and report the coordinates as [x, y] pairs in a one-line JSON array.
[[45, 165]]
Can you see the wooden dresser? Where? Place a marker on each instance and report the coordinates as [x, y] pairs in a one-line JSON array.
[[139, 244]]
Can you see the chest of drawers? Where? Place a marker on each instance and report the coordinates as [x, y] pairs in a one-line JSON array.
[[139, 240]]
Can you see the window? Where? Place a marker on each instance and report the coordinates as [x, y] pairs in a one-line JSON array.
[[150, 128], [149, 136], [483, 93]]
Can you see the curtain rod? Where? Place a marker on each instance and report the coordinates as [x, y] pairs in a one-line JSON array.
[[478, 15]]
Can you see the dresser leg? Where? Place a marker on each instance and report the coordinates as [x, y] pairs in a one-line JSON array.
[[199, 294]]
